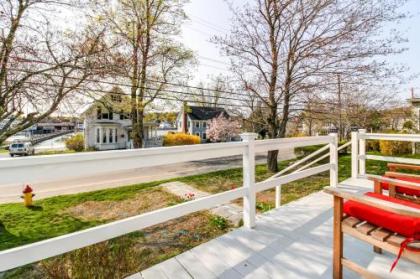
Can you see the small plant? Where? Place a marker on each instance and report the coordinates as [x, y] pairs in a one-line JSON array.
[[189, 196], [76, 143], [264, 207], [219, 222]]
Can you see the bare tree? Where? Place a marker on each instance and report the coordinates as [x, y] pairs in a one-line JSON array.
[[147, 54], [280, 48], [39, 66]]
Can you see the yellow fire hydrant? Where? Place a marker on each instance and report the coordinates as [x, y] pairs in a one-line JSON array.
[[27, 196]]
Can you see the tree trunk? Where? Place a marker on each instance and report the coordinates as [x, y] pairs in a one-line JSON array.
[[272, 161], [140, 124], [273, 133]]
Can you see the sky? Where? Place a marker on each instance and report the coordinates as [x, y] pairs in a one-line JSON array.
[[212, 17]]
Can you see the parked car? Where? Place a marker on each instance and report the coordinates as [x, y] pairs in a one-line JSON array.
[[21, 148]]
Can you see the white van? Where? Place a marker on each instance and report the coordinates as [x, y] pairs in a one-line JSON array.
[[21, 148]]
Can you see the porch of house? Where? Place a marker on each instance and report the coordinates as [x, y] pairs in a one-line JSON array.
[[293, 241]]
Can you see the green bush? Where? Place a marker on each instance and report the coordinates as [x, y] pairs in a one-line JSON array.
[[219, 222], [76, 143]]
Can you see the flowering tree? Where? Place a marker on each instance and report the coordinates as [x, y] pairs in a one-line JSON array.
[[222, 129]]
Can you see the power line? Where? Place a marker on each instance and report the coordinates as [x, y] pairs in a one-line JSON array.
[[150, 80], [162, 90], [138, 87], [146, 97]]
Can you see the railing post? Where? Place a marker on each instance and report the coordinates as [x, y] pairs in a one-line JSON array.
[[249, 179], [354, 154], [278, 196], [334, 160], [362, 152]]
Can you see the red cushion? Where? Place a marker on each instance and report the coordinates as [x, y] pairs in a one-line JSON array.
[[411, 192], [405, 225]]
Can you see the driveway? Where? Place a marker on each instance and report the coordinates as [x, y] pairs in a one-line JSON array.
[[135, 176]]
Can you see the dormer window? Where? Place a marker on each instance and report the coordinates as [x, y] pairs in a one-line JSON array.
[[99, 113], [116, 98]]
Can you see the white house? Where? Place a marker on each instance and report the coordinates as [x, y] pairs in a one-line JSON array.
[[107, 125], [198, 118]]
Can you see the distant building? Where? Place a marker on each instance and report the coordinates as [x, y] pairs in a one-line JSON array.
[[52, 127], [107, 125], [198, 118], [415, 103]]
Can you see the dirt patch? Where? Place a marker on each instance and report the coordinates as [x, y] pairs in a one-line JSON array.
[[131, 253], [114, 210], [174, 237]]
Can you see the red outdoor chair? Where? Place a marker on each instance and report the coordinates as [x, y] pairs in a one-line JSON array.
[[385, 222]]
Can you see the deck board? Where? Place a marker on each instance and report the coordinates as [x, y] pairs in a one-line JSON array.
[[294, 241]]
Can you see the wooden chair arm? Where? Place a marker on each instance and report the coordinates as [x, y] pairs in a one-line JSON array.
[[395, 166], [382, 204], [392, 174], [396, 182]]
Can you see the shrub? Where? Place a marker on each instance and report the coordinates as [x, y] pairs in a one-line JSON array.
[[76, 143], [219, 222], [372, 145], [394, 147], [172, 139]]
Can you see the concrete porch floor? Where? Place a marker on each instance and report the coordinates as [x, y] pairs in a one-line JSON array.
[[294, 241]]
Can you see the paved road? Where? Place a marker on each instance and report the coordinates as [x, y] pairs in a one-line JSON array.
[[142, 175]]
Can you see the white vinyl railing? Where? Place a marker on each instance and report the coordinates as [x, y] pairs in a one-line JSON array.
[[359, 156], [53, 168]]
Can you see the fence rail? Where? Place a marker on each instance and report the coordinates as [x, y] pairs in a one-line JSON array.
[[359, 156], [52, 167]]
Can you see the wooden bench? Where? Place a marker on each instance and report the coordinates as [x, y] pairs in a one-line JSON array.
[[395, 180], [378, 237]]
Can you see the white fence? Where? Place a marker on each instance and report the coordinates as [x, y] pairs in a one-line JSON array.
[[51, 168], [359, 156]]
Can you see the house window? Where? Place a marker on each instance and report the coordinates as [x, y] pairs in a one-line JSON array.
[[204, 124], [204, 136], [98, 135], [116, 98], [111, 136], [123, 115], [116, 135], [111, 115], [103, 136], [197, 124], [99, 113], [188, 124], [105, 115]]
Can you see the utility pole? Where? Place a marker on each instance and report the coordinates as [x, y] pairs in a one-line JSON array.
[[185, 110]]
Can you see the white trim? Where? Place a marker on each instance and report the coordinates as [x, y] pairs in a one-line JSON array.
[[276, 144], [396, 137], [391, 159], [268, 184]]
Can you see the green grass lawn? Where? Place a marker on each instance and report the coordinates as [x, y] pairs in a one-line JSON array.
[[60, 215], [2, 150]]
